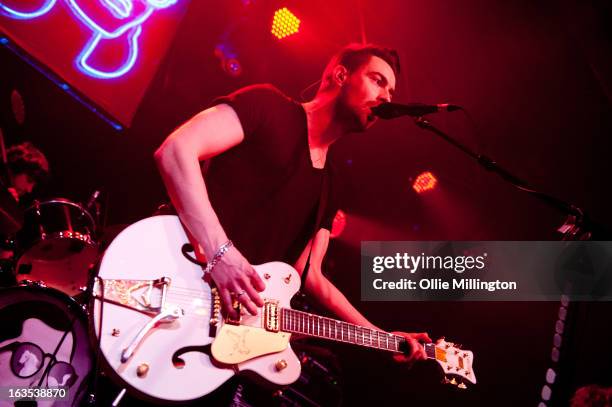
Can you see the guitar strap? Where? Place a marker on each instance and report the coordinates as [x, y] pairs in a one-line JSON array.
[[323, 198]]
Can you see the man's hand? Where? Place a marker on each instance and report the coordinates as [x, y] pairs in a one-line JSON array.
[[235, 277], [416, 350]]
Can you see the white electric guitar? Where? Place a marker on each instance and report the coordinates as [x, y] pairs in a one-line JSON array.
[[163, 335]]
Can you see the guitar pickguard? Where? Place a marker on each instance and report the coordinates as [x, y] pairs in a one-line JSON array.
[[235, 344]]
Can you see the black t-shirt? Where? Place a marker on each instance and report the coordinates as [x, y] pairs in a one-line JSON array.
[[265, 190]]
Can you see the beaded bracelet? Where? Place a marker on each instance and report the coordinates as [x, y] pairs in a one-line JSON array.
[[220, 252]]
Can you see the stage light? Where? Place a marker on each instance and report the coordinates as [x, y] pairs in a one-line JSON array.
[[551, 375], [546, 393], [228, 59], [284, 23], [426, 181], [554, 355], [338, 224]]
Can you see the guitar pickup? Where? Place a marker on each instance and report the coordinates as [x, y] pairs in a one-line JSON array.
[[271, 316]]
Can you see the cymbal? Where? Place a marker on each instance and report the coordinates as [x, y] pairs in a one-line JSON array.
[[11, 215]]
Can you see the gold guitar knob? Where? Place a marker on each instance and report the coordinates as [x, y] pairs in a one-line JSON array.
[[280, 365], [142, 370], [462, 386]]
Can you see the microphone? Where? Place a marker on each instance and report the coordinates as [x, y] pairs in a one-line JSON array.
[[393, 110]]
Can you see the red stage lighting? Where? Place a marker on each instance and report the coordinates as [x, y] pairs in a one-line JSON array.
[[285, 23], [338, 224], [426, 181]]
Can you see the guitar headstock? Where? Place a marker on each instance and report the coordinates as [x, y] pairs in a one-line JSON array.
[[455, 362]]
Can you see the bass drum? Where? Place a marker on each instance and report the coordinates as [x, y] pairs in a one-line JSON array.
[[44, 342], [57, 245]]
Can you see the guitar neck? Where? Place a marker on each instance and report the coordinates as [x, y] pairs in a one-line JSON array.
[[304, 323]]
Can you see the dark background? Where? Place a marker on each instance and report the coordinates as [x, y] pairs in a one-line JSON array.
[[536, 78]]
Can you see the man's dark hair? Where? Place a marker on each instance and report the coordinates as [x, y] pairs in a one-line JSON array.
[[354, 56], [24, 158]]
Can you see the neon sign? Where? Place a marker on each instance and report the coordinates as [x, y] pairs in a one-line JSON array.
[[124, 19]]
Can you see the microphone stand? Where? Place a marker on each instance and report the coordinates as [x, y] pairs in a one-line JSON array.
[[577, 225]]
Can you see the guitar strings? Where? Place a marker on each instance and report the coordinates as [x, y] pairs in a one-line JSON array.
[[185, 296], [302, 326]]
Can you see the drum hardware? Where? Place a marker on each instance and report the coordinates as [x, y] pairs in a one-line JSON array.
[[33, 283], [57, 245], [93, 202]]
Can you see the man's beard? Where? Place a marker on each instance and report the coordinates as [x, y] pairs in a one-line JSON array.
[[347, 115]]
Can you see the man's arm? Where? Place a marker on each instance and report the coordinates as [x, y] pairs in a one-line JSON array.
[[328, 296], [206, 135], [323, 290]]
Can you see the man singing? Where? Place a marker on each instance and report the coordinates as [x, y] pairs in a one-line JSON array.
[[264, 182]]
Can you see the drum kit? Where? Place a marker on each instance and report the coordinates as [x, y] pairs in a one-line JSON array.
[[49, 251]]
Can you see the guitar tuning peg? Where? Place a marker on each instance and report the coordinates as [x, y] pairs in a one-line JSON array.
[[453, 381], [462, 386]]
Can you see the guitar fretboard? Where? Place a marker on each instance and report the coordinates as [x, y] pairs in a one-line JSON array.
[[314, 325], [300, 322]]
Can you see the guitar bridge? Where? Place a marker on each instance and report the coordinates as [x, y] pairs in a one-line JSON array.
[[147, 296], [271, 316]]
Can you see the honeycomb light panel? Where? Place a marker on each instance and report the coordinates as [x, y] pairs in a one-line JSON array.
[[426, 181], [284, 23]]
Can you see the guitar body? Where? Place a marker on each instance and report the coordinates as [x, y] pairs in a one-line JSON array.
[[172, 362], [163, 337]]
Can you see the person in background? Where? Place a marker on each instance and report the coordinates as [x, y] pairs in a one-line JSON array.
[[27, 168]]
